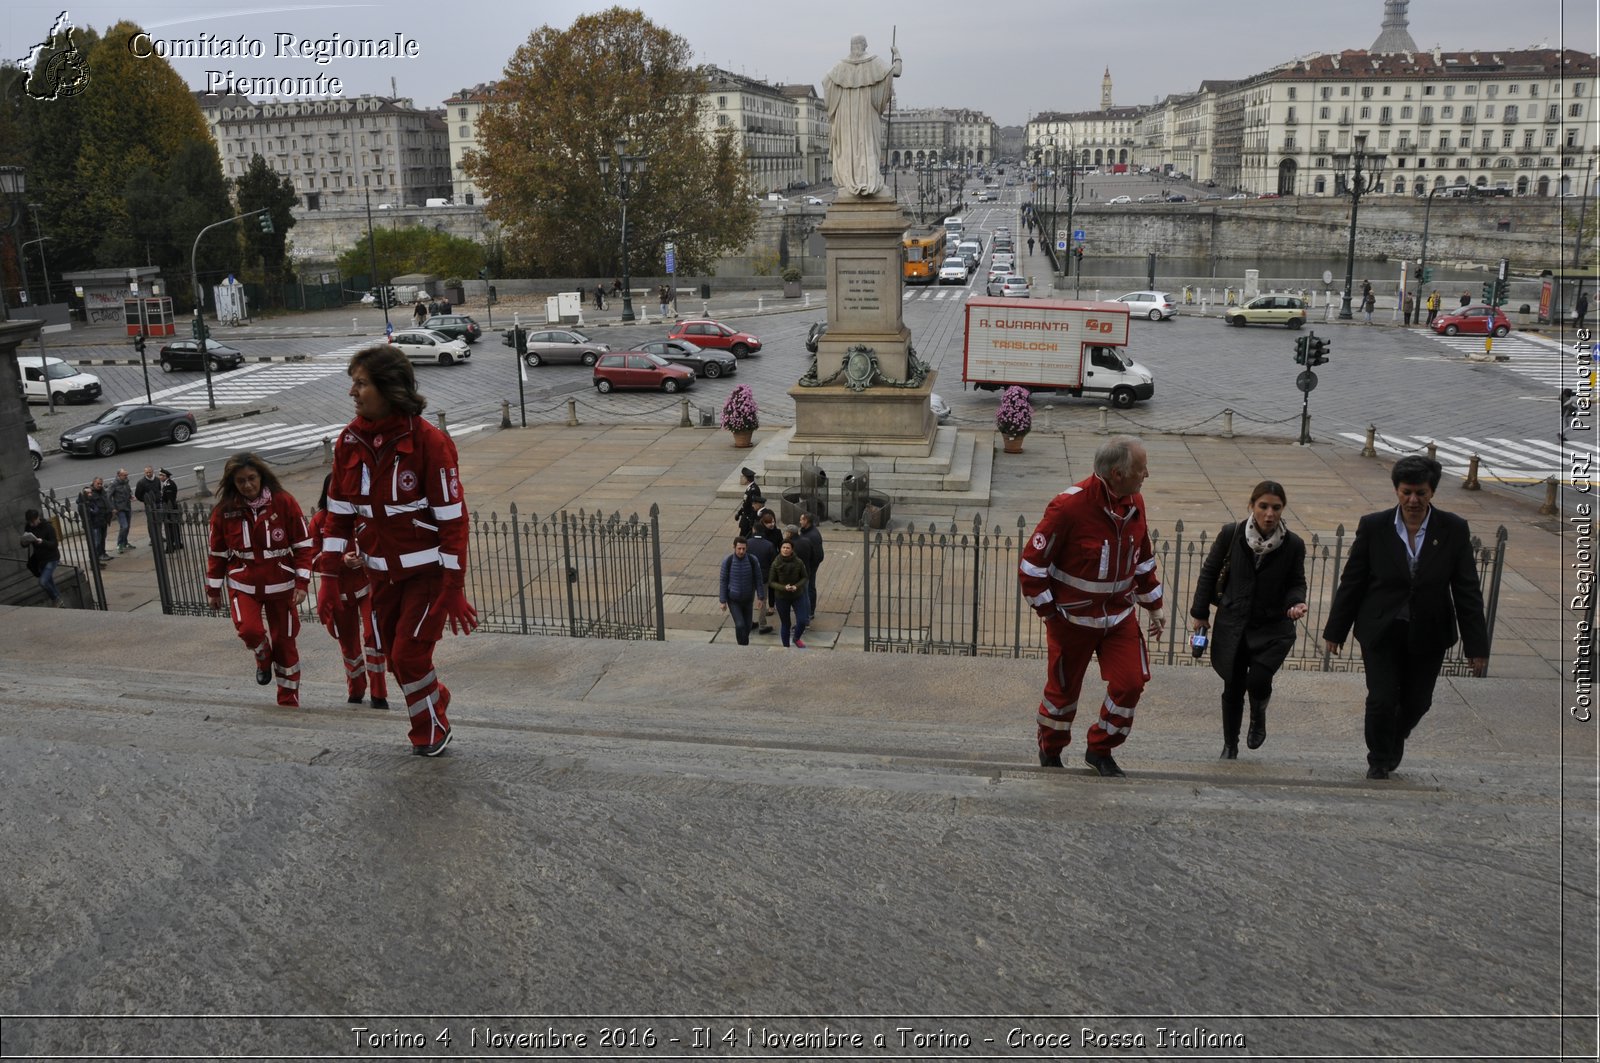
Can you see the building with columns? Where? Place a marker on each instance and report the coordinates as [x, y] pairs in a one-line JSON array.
[[461, 122], [766, 123]]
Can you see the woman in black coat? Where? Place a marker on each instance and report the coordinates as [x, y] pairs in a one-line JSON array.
[[1260, 567]]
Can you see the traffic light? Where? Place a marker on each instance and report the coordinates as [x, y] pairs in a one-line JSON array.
[[1302, 350], [520, 337], [1502, 294], [1427, 275], [1078, 252], [1488, 292], [1317, 350], [266, 221], [138, 344]]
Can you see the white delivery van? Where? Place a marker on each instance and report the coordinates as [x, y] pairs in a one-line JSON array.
[[1053, 345], [65, 381], [436, 202]]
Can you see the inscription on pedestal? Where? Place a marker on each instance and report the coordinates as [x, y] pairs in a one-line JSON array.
[[863, 286]]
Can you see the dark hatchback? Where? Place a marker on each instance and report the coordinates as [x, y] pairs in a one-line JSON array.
[[456, 326], [185, 354], [122, 427], [709, 364]]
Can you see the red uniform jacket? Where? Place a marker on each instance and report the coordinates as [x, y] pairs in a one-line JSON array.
[[265, 553], [396, 495], [1090, 560], [352, 582]]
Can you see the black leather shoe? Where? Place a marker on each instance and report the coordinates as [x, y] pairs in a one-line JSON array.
[[1102, 764], [1230, 751], [380, 703], [1049, 760], [1376, 772], [354, 699], [1258, 731], [432, 749], [263, 676]]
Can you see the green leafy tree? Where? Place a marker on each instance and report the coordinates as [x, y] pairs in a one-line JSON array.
[[568, 99], [415, 250], [260, 187]]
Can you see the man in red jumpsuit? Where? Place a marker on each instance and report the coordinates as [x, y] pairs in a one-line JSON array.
[[1086, 566], [261, 552], [352, 627], [395, 476]]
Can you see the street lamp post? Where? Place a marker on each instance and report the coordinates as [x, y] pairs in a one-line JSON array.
[[13, 185], [1374, 164], [1422, 261], [627, 165], [22, 260], [49, 297]]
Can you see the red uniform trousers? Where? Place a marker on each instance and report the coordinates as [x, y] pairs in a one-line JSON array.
[[358, 642], [270, 637], [407, 627], [1124, 665]]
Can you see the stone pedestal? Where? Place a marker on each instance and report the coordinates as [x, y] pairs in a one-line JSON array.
[[865, 284], [879, 420]]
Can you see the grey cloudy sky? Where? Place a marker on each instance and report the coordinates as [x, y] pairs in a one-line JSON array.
[[1041, 55]]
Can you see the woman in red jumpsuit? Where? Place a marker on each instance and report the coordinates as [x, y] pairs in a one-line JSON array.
[[395, 508], [261, 552], [352, 623]]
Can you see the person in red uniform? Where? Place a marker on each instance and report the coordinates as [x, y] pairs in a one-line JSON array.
[[395, 508], [261, 553], [352, 623], [1087, 565]]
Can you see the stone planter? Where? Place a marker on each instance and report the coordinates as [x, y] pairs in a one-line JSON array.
[[743, 439], [791, 289], [1013, 444]]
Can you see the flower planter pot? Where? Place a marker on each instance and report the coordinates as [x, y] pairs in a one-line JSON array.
[[791, 289], [742, 439], [1013, 444]]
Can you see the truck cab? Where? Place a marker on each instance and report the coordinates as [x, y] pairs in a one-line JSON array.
[[1067, 346]]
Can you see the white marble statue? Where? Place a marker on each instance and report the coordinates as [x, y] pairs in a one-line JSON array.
[[858, 90]]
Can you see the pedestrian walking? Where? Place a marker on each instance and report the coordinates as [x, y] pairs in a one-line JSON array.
[[664, 296], [1466, 299], [1255, 575], [813, 535], [1368, 304], [171, 516], [1030, 245], [1085, 568], [806, 550], [786, 585], [1409, 586], [1580, 310], [352, 620], [738, 586], [1409, 308], [120, 493], [749, 511], [147, 490], [419, 313], [39, 537], [1434, 303], [95, 510], [765, 552], [599, 296], [398, 473], [261, 555]]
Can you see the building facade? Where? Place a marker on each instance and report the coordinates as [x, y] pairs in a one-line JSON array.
[[812, 126], [766, 121], [461, 113]]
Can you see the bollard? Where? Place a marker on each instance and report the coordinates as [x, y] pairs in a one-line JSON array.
[[355, 327], [1471, 482], [1103, 429], [327, 450], [808, 299], [1433, 451], [1549, 507], [572, 412], [1370, 449], [200, 480], [761, 303], [705, 309], [683, 421], [1047, 411], [1227, 424], [442, 427], [505, 413]]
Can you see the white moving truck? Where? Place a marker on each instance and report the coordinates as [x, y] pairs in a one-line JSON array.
[[1053, 345]]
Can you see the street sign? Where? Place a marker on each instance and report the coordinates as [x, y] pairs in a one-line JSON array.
[[1061, 234], [672, 259], [1306, 381], [1061, 245], [1077, 234]]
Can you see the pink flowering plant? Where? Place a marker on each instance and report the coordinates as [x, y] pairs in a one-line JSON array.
[[1015, 416], [739, 413]]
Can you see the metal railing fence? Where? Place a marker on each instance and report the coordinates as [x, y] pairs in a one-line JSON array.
[[953, 590]]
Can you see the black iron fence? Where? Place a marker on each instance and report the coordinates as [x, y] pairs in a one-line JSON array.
[[954, 591], [583, 575]]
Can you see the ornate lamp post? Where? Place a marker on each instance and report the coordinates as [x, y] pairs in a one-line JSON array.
[[13, 186], [627, 165], [1358, 183]]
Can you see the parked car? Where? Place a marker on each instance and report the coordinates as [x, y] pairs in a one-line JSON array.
[[1003, 258], [941, 409], [35, 452], [813, 201], [1240, 195], [709, 364], [954, 271], [1284, 310], [185, 354], [1016, 286], [997, 280], [639, 369], [1116, 200], [560, 345], [1154, 305], [67, 384], [1177, 197], [1150, 197], [1473, 321], [456, 326], [706, 333], [426, 347], [122, 427]]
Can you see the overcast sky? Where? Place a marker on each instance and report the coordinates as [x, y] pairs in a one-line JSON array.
[[1041, 55]]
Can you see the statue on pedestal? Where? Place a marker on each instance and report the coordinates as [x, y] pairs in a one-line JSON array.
[[857, 91]]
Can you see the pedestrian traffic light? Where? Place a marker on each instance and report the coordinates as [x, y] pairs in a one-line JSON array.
[[138, 344], [1078, 252], [266, 221], [1302, 350], [1317, 350]]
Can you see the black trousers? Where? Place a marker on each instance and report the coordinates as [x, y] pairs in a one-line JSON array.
[[1248, 678], [1399, 692]]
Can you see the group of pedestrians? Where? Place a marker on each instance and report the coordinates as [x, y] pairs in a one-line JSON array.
[[1409, 590], [770, 570]]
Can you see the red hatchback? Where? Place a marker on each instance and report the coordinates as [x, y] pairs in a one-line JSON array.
[[704, 333], [639, 369], [1473, 321]]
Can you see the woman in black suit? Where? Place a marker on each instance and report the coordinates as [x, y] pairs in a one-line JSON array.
[[1261, 566], [1410, 583]]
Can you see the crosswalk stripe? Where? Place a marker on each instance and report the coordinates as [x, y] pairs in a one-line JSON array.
[[1500, 460], [262, 435]]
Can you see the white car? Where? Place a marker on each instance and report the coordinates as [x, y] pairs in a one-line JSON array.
[[1015, 286], [1003, 258], [1151, 197], [1240, 195], [1114, 200], [427, 347], [954, 271], [36, 452], [1157, 306]]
